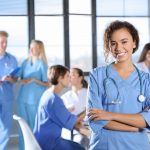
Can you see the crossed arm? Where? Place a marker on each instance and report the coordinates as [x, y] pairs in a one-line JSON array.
[[10, 79], [29, 80], [118, 121]]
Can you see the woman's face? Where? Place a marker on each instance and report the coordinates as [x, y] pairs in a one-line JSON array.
[[34, 49], [65, 80], [122, 45], [74, 77], [148, 56]]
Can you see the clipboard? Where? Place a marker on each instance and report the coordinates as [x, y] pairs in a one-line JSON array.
[[14, 72]]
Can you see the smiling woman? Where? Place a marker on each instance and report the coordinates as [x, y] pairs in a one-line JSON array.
[[118, 117], [122, 46]]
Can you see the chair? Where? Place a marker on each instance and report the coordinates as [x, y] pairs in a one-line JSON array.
[[29, 139]]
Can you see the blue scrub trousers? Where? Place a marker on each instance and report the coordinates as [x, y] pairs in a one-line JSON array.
[[5, 122], [64, 144]]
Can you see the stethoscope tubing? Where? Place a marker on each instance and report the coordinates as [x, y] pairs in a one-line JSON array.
[[114, 82]]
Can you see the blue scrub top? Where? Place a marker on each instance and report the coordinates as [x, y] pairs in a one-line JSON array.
[[31, 93], [7, 64], [101, 98], [52, 116]]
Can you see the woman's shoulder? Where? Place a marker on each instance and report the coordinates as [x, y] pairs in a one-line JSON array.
[[139, 65], [26, 60], [83, 90], [10, 56], [98, 71], [40, 61], [42, 64], [67, 94], [49, 97], [145, 76]]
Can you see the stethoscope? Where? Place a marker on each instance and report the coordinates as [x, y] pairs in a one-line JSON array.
[[141, 97]]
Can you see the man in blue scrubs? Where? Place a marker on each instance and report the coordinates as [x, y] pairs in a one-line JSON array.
[[7, 64]]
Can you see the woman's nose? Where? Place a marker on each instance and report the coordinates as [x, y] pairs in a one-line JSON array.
[[118, 47]]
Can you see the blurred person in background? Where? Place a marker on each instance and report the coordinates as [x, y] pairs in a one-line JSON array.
[[33, 81], [52, 114], [75, 99], [75, 102], [7, 64], [144, 60]]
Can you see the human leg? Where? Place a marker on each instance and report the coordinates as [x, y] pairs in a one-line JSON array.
[[5, 123], [21, 109], [31, 113]]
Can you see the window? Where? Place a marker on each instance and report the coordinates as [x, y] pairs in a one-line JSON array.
[[80, 6], [49, 29], [13, 19], [48, 7], [15, 7], [81, 42]]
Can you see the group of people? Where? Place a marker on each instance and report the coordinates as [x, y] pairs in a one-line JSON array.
[[35, 78], [32, 76], [116, 99]]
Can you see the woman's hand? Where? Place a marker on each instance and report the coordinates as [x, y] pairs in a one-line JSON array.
[[9, 79], [71, 109], [25, 81], [98, 114]]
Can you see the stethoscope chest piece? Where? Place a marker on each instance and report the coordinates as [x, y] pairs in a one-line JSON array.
[[141, 98]]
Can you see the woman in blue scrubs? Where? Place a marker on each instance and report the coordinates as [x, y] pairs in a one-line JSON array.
[[52, 114], [33, 80], [119, 95]]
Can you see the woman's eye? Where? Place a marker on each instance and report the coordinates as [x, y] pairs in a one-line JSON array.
[[113, 44], [124, 42]]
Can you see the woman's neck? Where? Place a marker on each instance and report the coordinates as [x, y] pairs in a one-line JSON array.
[[56, 88], [76, 88], [124, 69], [34, 58], [125, 66]]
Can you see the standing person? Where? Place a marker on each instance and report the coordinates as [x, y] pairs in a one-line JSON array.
[[7, 64], [118, 96], [75, 100], [144, 60], [33, 80], [52, 114]]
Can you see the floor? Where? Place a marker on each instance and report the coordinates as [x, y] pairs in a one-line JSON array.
[[13, 143]]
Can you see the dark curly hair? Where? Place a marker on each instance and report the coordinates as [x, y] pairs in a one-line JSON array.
[[114, 26]]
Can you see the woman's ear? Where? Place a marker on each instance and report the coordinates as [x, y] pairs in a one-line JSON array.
[[60, 79], [134, 45]]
